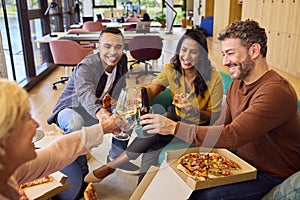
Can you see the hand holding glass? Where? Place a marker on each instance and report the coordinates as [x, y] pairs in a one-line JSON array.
[[126, 107]]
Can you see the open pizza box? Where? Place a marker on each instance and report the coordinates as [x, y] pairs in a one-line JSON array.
[[47, 190], [167, 182]]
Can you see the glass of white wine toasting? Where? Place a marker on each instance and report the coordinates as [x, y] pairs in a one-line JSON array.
[[126, 107]]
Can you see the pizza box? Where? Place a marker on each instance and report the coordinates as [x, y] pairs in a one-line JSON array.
[[47, 190], [168, 177], [142, 187], [159, 183], [247, 172]]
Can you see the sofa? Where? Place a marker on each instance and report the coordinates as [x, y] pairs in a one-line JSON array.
[[288, 189]]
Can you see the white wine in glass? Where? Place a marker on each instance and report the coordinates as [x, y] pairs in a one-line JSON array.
[[126, 107]]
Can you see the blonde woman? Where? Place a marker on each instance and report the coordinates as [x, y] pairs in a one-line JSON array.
[[19, 161]]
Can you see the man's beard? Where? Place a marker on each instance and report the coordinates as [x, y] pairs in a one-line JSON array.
[[243, 68]]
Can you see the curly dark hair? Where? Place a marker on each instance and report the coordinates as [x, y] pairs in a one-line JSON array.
[[248, 32], [204, 67]]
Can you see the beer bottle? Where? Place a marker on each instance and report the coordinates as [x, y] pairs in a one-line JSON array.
[[145, 108]]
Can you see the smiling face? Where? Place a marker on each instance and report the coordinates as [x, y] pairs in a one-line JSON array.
[[189, 54], [110, 48], [17, 128], [237, 58], [19, 142]]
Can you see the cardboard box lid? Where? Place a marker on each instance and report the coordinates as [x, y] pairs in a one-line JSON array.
[[160, 183], [142, 187], [48, 190]]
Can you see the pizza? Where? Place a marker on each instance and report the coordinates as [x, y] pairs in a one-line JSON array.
[[22, 194], [181, 100], [39, 181], [203, 166], [90, 192], [106, 101]]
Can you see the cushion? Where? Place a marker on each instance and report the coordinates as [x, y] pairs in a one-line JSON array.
[[174, 146], [288, 189], [226, 81], [208, 25], [162, 101]]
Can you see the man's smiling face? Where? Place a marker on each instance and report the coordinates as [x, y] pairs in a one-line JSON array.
[[110, 48]]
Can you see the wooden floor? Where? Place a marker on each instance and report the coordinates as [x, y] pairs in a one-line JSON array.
[[43, 99]]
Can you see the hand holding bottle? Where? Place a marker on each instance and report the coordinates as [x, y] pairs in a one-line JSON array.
[[155, 123]]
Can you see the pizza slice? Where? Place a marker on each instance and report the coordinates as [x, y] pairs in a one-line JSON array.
[[90, 192], [22, 194], [218, 161], [202, 166], [217, 173], [194, 166], [106, 101], [39, 181], [46, 179], [181, 100]]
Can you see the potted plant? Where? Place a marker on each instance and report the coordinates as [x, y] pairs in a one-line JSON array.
[[161, 18]]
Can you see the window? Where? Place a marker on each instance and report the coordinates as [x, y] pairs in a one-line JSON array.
[[104, 3], [32, 4], [11, 41], [178, 3]]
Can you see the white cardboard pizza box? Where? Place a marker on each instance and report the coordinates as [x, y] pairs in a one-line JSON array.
[[167, 182], [47, 190], [161, 183]]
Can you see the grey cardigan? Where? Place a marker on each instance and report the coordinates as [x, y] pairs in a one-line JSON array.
[[82, 85]]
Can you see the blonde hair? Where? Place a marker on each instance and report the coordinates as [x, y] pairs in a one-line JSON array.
[[14, 106]]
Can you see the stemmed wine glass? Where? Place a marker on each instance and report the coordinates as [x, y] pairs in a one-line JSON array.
[[126, 107]]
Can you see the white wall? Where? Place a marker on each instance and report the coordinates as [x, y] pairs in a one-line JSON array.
[[87, 8], [196, 14], [169, 15]]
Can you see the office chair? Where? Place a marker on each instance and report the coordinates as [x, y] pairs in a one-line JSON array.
[[145, 48], [132, 19], [131, 27], [78, 31], [67, 53], [93, 26]]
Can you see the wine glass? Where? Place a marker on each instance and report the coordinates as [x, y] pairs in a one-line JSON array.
[[38, 135], [126, 107]]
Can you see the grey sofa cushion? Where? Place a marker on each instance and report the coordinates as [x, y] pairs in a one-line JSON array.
[[288, 189]]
